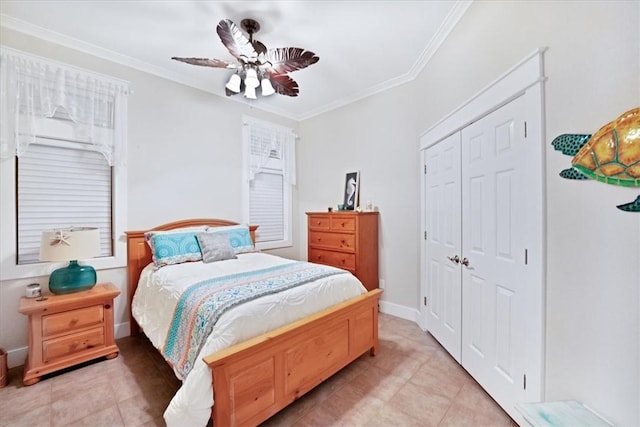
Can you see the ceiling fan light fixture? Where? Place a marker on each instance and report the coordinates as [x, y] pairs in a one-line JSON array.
[[255, 64], [267, 87], [250, 92], [234, 83], [251, 80]]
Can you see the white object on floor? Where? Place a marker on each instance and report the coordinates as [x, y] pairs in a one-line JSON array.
[[567, 413]]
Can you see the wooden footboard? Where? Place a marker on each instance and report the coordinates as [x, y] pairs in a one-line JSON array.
[[255, 379]]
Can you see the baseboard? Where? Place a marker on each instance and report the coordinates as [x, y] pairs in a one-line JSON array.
[[121, 330], [400, 311], [16, 357]]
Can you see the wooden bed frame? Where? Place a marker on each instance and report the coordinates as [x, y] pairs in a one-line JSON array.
[[255, 379]]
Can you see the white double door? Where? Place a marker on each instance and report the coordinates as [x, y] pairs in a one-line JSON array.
[[476, 185]]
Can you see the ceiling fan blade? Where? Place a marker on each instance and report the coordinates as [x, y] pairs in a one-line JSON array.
[[235, 41], [287, 59], [283, 84], [205, 62]]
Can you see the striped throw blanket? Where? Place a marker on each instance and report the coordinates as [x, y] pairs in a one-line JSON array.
[[202, 304]]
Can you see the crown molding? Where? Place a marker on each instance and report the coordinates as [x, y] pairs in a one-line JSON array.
[[447, 25]]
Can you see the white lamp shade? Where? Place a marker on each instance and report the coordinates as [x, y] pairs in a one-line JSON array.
[[251, 80], [250, 92], [234, 83], [68, 244], [267, 88]]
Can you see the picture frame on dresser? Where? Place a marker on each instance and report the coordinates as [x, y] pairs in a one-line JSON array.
[[351, 191]]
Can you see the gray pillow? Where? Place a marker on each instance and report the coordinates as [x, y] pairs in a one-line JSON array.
[[215, 247]]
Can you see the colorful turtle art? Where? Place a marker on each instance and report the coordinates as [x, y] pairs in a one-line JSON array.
[[611, 155]]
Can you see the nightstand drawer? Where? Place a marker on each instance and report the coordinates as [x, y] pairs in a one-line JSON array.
[[319, 222], [336, 259], [71, 344], [343, 223], [67, 321], [332, 240]]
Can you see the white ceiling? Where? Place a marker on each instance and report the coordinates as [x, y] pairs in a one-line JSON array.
[[364, 46]]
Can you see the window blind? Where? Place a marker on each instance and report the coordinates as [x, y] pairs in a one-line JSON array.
[[270, 175], [266, 206], [61, 185]]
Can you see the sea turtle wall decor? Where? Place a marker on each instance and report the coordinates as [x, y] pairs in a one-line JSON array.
[[611, 155]]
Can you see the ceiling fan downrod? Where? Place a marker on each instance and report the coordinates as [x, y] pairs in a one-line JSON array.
[[251, 26]]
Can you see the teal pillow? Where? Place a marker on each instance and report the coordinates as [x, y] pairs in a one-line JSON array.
[[173, 247]]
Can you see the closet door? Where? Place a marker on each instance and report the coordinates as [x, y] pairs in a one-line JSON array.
[[494, 232], [442, 197]]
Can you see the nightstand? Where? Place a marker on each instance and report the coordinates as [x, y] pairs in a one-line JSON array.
[[68, 329]]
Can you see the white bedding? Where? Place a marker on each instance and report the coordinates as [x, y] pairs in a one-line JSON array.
[[158, 293]]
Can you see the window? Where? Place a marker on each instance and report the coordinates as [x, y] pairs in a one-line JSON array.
[[62, 145], [269, 156], [61, 184]]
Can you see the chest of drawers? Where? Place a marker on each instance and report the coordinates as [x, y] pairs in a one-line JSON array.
[[65, 330], [345, 239]]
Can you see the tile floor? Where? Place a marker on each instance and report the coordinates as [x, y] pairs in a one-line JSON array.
[[411, 382]]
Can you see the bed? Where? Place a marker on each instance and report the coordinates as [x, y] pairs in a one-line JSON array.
[[252, 377]]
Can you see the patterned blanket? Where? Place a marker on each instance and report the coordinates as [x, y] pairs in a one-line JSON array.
[[202, 304]]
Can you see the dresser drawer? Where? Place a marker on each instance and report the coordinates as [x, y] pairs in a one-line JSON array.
[[319, 222], [66, 321], [336, 259], [57, 348], [332, 240], [343, 223]]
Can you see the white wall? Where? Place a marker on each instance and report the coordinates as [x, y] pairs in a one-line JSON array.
[[593, 251], [184, 161], [376, 136]]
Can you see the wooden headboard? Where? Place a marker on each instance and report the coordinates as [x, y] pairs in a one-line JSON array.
[[139, 253]]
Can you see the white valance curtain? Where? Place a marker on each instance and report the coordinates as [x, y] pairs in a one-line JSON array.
[[271, 147], [34, 89]]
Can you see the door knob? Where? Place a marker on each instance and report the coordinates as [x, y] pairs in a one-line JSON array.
[[455, 259], [465, 262]]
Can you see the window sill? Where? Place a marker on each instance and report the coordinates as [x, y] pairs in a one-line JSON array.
[[280, 244]]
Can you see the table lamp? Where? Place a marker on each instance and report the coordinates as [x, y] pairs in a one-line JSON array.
[[71, 244]]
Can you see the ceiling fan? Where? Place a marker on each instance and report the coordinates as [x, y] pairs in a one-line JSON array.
[[256, 65]]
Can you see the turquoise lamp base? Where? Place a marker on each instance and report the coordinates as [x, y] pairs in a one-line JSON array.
[[73, 278]]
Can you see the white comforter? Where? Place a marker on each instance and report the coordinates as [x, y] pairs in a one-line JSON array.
[[158, 293]]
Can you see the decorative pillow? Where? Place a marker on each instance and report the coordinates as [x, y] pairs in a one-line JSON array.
[[239, 237], [174, 246], [215, 247]]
